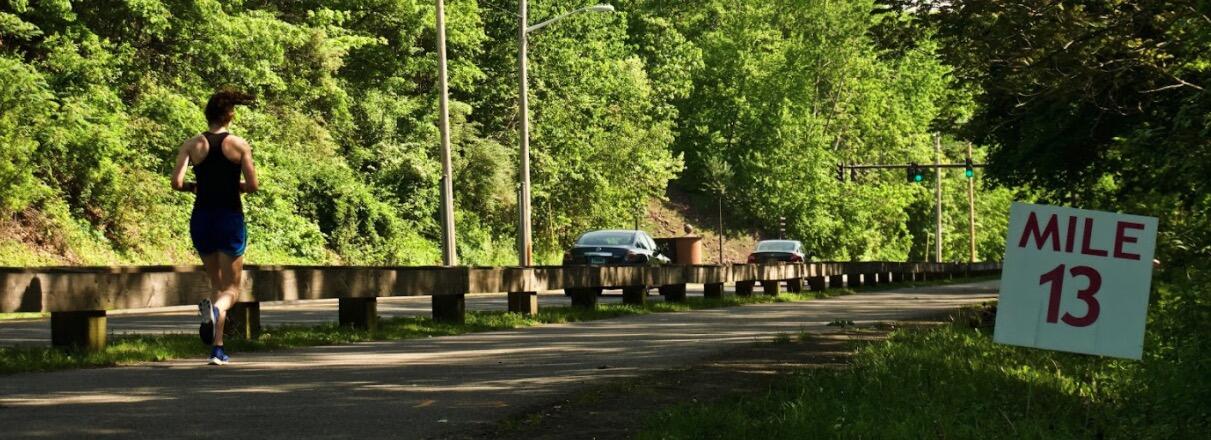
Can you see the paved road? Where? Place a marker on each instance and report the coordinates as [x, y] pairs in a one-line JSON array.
[[184, 319], [414, 388]]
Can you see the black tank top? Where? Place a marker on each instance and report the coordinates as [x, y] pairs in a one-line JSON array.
[[218, 178]]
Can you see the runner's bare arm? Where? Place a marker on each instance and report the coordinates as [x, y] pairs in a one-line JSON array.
[[250, 184], [178, 173]]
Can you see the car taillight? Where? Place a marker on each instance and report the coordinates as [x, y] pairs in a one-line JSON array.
[[752, 258], [633, 257], [796, 259]]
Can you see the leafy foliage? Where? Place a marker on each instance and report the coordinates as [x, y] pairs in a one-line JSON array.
[[783, 91], [97, 96]]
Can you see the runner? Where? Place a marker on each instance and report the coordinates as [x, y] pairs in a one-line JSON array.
[[216, 226]]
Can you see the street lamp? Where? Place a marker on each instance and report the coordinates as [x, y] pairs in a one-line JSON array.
[[524, 246]]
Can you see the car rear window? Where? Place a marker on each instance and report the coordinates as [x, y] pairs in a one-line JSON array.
[[606, 238], [776, 246]]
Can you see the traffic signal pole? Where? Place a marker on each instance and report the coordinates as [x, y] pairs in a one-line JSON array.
[[915, 173], [971, 207]]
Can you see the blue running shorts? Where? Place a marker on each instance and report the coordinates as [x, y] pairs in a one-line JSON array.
[[218, 230]]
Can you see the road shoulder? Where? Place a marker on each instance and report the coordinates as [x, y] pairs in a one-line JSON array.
[[619, 409]]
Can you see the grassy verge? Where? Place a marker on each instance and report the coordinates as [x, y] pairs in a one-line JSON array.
[[129, 349], [31, 315], [954, 382]]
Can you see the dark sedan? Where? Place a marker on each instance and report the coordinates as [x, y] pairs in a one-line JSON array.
[[775, 251], [614, 247]]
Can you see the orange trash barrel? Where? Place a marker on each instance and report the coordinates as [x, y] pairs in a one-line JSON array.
[[689, 250]]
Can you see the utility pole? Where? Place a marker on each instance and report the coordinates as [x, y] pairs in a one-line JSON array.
[[927, 243], [524, 246], [449, 255], [971, 209], [937, 148], [721, 229]]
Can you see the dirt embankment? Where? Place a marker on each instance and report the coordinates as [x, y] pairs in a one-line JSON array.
[[667, 218]]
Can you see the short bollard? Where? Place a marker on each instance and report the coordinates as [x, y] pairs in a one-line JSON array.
[[358, 313], [673, 292], [836, 281], [243, 320], [745, 288], [794, 285], [450, 308], [525, 303], [713, 291], [771, 287], [635, 295], [816, 284], [79, 330], [584, 298]]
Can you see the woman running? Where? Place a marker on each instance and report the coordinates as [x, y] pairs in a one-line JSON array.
[[216, 226]]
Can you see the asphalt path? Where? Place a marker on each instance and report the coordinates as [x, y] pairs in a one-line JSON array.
[[184, 320], [417, 388]]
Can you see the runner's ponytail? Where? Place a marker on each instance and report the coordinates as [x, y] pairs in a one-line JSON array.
[[221, 106]]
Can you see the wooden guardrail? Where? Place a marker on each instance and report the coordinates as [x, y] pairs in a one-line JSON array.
[[78, 297]]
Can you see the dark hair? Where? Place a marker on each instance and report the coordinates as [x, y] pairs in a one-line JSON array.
[[220, 107]]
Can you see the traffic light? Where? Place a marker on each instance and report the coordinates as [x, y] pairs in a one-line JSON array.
[[915, 173], [970, 170]]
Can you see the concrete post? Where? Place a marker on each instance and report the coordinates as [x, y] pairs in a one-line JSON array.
[[673, 292], [816, 283], [771, 287], [584, 298], [450, 308], [243, 320], [836, 281], [358, 313], [80, 330], [635, 295], [745, 288], [713, 291], [525, 303]]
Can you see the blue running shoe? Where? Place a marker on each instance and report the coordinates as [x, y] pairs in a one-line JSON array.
[[209, 316], [218, 357]]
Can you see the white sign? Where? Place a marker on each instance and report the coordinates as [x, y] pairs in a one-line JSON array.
[[1076, 280]]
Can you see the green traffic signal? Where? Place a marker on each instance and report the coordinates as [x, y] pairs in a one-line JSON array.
[[970, 171], [915, 173]]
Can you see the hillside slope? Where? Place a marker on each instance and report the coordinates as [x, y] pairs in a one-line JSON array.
[[667, 218]]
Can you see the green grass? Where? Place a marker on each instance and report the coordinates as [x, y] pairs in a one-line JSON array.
[[129, 349], [23, 315], [953, 382]]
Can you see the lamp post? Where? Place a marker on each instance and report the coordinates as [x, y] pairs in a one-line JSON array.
[[524, 244]]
